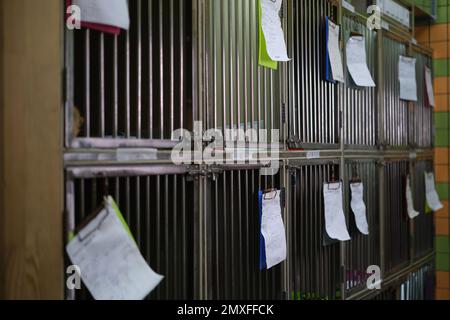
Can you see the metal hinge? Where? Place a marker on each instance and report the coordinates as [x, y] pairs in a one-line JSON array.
[[381, 163], [294, 143], [207, 171]]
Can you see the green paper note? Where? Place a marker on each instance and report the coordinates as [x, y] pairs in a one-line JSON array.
[[264, 59]]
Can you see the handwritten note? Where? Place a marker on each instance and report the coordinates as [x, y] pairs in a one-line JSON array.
[[359, 207], [431, 194], [429, 86], [272, 229], [335, 224], [357, 62], [407, 78], [111, 265], [273, 33], [334, 52], [106, 12]]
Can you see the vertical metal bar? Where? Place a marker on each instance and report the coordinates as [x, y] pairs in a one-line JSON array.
[[139, 71], [172, 66], [116, 88], [182, 66], [150, 68], [127, 86], [138, 211], [87, 81], [158, 230], [223, 19], [102, 84], [174, 228], [161, 67], [166, 234]]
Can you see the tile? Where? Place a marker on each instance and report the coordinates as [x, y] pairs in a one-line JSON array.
[[441, 173], [441, 120], [440, 67], [440, 50], [441, 225], [443, 213], [442, 189], [442, 102], [438, 32], [442, 14], [440, 85], [442, 279], [442, 294], [442, 138], [441, 155], [442, 262], [442, 244]]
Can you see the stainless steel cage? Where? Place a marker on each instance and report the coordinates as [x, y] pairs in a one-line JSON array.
[[313, 106], [135, 89], [396, 111], [314, 267], [233, 238], [239, 94], [360, 105], [396, 220], [362, 251], [157, 203]]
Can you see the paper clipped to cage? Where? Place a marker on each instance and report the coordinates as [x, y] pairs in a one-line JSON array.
[[112, 13], [335, 224], [357, 62], [431, 194], [273, 241], [359, 207], [273, 33], [407, 78], [429, 87], [334, 53], [412, 213], [112, 268]]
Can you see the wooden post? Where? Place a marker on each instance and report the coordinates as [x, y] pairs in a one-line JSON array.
[[31, 252]]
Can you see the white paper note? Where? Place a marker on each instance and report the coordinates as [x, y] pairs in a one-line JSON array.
[[272, 229], [359, 207], [429, 85], [431, 194], [108, 12], [407, 78], [335, 225], [357, 62], [412, 213], [334, 52], [273, 33], [111, 265]]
